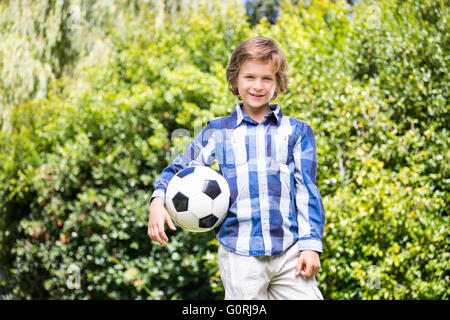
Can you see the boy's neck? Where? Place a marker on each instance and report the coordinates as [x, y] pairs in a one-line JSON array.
[[256, 114]]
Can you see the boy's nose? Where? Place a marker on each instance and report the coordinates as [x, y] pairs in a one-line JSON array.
[[257, 84]]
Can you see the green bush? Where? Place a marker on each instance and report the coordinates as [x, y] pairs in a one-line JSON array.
[[79, 165]]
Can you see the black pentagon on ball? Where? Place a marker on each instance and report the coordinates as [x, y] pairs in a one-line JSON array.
[[211, 188], [183, 173], [180, 202], [208, 221]]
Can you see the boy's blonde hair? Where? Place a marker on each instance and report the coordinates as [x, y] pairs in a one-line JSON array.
[[258, 49]]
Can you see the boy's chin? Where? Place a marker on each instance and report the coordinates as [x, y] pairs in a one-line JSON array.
[[256, 104]]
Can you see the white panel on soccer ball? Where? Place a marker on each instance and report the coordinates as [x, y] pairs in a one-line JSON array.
[[191, 184], [200, 205], [220, 206], [209, 173], [187, 221]]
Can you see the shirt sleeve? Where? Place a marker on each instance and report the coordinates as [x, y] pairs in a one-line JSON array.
[[308, 201], [201, 151]]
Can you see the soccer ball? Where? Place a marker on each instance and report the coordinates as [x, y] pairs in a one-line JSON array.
[[197, 198]]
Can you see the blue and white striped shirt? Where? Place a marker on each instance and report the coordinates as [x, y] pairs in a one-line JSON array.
[[271, 171]]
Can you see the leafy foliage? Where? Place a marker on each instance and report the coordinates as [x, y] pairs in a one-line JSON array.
[[79, 163]]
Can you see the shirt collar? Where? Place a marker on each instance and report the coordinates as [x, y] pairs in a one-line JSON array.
[[240, 115]]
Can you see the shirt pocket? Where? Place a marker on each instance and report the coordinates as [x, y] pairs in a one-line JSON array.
[[280, 148], [237, 149]]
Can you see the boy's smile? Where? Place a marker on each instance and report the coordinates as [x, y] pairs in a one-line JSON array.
[[256, 84]]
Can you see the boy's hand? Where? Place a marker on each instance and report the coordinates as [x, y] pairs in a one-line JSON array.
[[157, 217], [308, 264]]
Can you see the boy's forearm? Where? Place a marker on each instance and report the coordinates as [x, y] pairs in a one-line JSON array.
[[156, 201]]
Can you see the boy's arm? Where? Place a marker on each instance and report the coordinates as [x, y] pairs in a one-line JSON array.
[[200, 152], [311, 215]]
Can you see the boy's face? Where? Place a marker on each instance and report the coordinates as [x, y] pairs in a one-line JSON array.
[[256, 84]]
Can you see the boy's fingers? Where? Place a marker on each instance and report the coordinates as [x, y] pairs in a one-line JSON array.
[[300, 264], [155, 235], [156, 230], [161, 232], [170, 223], [159, 240], [163, 235], [303, 267], [152, 233], [160, 235], [307, 271]]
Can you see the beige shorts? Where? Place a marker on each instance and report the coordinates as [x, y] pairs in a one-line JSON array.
[[265, 277]]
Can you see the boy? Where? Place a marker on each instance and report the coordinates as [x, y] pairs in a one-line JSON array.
[[270, 240]]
